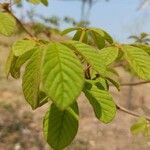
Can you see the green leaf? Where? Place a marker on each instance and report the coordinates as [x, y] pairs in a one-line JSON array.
[[17, 62], [77, 35], [63, 76], [108, 54], [139, 61], [99, 41], [68, 30], [145, 47], [22, 46], [35, 2], [102, 33], [115, 83], [45, 2], [101, 101], [90, 54], [101, 83], [32, 77], [7, 24], [141, 126], [60, 127], [56, 70]]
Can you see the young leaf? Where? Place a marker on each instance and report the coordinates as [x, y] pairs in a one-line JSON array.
[[63, 76], [35, 2], [101, 84], [45, 2], [139, 60], [145, 47], [101, 101], [68, 30], [90, 54], [77, 35], [141, 126], [22, 46], [7, 24], [15, 63], [102, 33], [99, 41], [109, 54], [32, 78], [115, 83], [60, 127]]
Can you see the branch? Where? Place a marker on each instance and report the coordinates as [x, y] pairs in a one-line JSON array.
[[130, 112], [22, 26]]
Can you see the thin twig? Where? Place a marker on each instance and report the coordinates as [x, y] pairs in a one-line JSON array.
[[22, 26], [130, 112]]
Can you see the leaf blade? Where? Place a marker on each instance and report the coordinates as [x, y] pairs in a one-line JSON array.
[[102, 103], [139, 60], [7, 24], [63, 76], [60, 127]]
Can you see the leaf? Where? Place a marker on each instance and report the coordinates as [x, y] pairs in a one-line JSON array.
[[101, 101], [17, 63], [45, 2], [102, 33], [63, 76], [99, 41], [7, 24], [141, 126], [90, 54], [66, 31], [35, 2], [139, 61], [60, 127], [109, 54], [101, 83], [145, 47], [77, 35], [22, 46], [32, 77], [115, 83]]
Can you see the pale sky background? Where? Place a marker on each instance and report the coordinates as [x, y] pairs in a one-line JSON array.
[[119, 17]]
